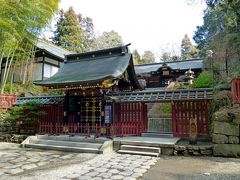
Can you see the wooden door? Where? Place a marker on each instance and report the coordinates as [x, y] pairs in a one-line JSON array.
[[91, 110]]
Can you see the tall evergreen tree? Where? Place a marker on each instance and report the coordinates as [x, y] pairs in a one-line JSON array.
[[69, 32], [188, 51], [220, 33], [58, 32], [88, 32]]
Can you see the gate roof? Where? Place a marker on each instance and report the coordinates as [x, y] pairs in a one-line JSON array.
[[44, 100], [164, 95], [152, 95], [91, 69]]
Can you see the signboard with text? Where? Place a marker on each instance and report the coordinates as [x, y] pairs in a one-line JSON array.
[[108, 114]]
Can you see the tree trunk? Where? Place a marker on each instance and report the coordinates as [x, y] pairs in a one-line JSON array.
[[8, 70], [25, 70], [12, 76], [5, 71], [2, 56]]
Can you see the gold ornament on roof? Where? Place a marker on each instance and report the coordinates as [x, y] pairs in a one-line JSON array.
[[107, 83]]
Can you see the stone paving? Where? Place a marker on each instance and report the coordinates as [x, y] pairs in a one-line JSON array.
[[104, 166], [18, 163], [15, 160]]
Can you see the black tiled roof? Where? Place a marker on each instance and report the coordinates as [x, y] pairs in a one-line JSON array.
[[158, 95], [44, 100], [180, 65], [93, 68]]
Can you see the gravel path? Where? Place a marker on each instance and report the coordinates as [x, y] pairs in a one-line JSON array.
[[196, 168]]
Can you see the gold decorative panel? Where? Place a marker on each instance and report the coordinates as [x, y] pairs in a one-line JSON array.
[[91, 109]]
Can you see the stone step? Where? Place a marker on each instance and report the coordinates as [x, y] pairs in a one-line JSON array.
[[64, 148], [138, 153], [90, 139], [157, 135], [66, 143], [141, 148]]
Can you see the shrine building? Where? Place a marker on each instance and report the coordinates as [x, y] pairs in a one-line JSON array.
[[103, 97]]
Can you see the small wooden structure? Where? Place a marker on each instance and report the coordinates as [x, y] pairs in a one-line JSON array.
[[48, 58], [160, 74]]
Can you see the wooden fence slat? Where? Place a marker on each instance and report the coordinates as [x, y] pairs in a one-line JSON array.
[[236, 90], [182, 111]]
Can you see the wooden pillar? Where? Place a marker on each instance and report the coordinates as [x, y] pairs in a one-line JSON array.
[[65, 109], [173, 118], [78, 109], [43, 62]]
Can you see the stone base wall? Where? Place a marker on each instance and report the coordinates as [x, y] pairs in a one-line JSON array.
[[179, 150], [14, 138], [193, 150], [8, 134], [225, 128]]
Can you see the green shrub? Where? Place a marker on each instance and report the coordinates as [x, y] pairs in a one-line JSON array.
[[3, 114], [236, 73], [166, 108], [27, 113], [204, 80]]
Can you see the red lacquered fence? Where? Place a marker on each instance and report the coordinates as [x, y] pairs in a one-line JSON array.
[[54, 114], [236, 90], [183, 111], [119, 129], [6, 101], [129, 119], [127, 129], [70, 129]]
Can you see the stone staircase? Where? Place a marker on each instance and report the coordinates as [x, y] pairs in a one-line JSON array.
[[139, 150], [157, 135], [67, 143]]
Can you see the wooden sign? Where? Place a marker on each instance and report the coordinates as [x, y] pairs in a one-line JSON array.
[[108, 114], [165, 73]]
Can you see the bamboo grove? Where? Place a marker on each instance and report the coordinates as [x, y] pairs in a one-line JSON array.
[[21, 23]]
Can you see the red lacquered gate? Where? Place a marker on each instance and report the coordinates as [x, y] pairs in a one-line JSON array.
[[129, 119], [183, 111], [236, 90]]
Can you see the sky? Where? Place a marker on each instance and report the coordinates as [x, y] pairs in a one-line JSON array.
[[156, 25]]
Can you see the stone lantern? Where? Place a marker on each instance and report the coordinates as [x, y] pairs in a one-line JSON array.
[[189, 76]]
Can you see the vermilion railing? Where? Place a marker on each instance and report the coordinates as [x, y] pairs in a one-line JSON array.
[[127, 129], [118, 129], [6, 101], [236, 90], [130, 120], [70, 129], [183, 111]]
